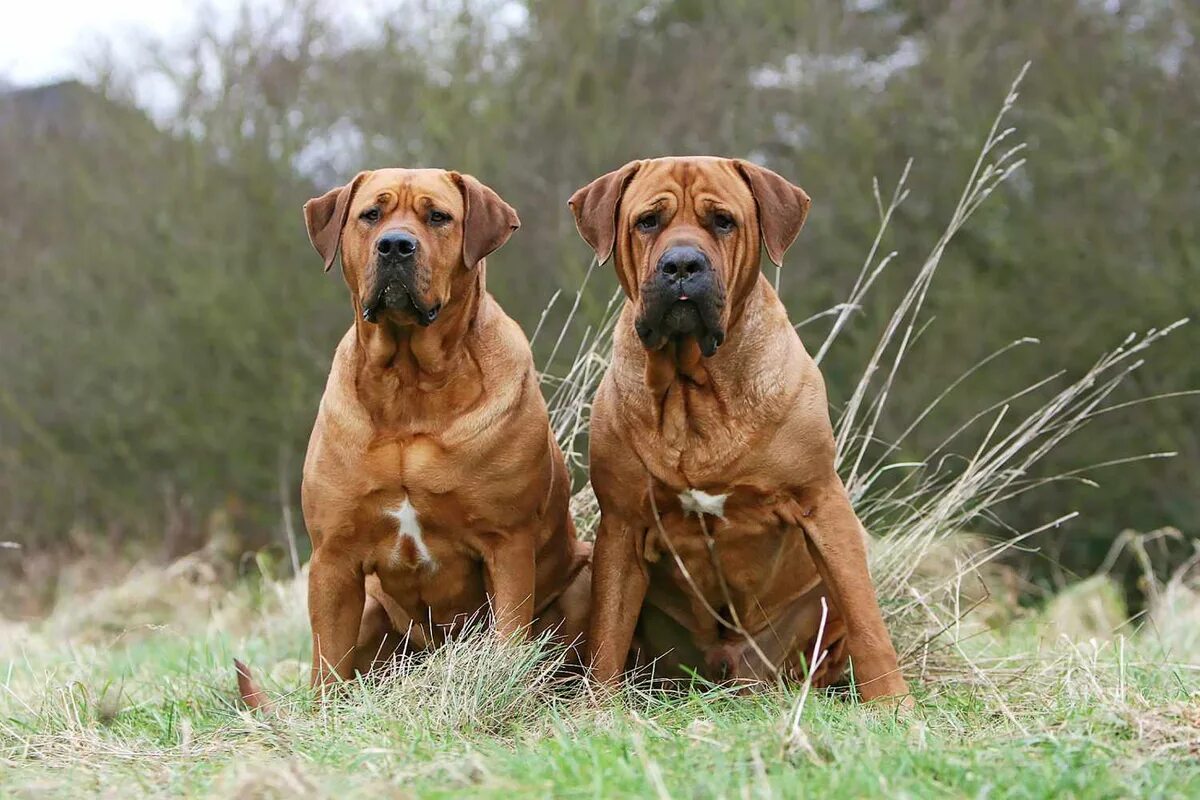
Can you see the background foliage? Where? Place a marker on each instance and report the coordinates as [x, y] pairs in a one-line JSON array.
[[165, 329]]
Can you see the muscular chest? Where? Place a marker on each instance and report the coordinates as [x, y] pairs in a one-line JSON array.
[[415, 526], [400, 507], [740, 540]]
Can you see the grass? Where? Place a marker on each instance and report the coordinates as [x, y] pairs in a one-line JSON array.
[[152, 712], [129, 690]]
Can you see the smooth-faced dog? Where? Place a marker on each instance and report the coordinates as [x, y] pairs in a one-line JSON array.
[[433, 490], [724, 523]]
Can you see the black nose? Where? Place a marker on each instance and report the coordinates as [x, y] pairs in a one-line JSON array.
[[396, 243], [682, 262]]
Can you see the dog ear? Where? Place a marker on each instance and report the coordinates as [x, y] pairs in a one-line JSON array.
[[782, 207], [595, 209], [488, 221], [325, 216]]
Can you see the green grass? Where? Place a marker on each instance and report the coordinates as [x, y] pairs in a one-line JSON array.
[[152, 712]]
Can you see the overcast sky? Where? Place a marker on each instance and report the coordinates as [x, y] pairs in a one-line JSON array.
[[46, 40]]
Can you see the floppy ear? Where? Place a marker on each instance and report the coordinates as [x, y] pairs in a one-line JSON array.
[[782, 207], [595, 209], [488, 221], [325, 217]]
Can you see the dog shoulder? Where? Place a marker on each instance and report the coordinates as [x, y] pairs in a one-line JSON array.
[[342, 425], [502, 338]]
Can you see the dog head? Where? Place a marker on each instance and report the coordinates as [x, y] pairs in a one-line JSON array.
[[686, 234], [409, 238]]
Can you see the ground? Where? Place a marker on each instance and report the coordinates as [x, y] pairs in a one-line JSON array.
[[130, 692]]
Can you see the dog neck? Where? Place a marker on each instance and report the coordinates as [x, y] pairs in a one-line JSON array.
[[412, 356], [745, 379], [680, 361]]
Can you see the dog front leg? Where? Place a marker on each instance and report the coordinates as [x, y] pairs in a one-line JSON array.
[[511, 572], [840, 554], [619, 583], [336, 594]]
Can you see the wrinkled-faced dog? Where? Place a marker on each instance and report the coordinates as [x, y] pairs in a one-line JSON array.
[[434, 491], [724, 524]]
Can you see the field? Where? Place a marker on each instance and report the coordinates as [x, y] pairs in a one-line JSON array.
[[130, 692]]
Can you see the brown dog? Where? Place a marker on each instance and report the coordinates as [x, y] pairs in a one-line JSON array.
[[434, 491], [723, 521]]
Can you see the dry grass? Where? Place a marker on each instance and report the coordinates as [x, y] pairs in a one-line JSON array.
[[915, 508]]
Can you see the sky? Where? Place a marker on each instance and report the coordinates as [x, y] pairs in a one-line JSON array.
[[47, 40]]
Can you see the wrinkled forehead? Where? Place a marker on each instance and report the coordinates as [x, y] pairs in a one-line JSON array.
[[409, 188], [691, 179]]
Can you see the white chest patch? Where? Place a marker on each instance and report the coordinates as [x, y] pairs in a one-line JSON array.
[[697, 501], [409, 534]]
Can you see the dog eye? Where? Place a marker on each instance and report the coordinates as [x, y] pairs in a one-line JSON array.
[[723, 222], [647, 222], [370, 215], [438, 217]]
